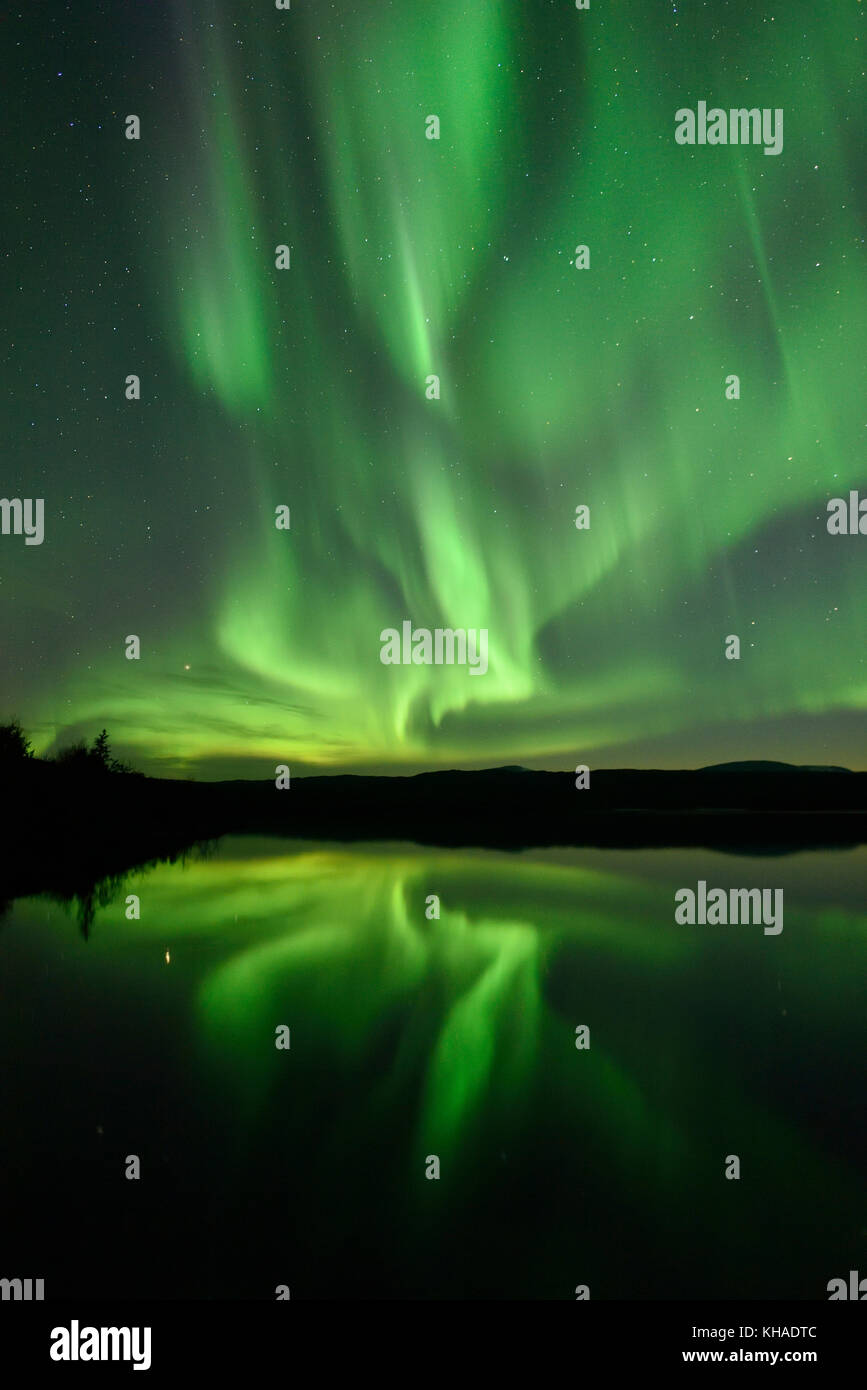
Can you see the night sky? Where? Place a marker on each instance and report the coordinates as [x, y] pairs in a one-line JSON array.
[[306, 387]]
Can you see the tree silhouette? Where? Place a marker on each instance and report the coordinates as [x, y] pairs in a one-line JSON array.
[[15, 746], [102, 752], [77, 757]]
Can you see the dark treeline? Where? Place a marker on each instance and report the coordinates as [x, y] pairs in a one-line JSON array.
[[77, 760], [78, 821]]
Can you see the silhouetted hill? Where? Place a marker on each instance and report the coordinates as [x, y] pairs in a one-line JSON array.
[[756, 765]]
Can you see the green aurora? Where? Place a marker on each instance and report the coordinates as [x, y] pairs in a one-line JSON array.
[[560, 387]]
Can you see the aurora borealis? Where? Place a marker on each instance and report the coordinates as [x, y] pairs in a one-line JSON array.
[[559, 387]]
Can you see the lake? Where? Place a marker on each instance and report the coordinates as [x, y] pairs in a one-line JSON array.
[[418, 1042]]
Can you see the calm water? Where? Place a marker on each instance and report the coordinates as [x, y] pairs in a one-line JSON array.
[[453, 1037]]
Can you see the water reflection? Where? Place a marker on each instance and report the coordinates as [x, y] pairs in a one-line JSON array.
[[415, 1034]]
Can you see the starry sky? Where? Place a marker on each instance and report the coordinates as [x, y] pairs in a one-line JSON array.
[[306, 387]]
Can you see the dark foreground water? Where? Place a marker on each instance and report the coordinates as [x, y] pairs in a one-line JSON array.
[[413, 1037]]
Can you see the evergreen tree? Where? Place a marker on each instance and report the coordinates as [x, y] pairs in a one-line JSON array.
[[15, 746], [102, 752]]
